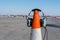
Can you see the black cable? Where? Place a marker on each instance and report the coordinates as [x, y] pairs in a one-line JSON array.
[[45, 34]]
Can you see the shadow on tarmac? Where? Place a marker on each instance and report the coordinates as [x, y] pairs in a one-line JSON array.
[[53, 25]]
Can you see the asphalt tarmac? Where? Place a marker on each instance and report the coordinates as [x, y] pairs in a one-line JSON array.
[[15, 28]]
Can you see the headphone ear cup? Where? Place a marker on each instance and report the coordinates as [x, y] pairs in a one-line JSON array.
[[29, 22], [41, 21]]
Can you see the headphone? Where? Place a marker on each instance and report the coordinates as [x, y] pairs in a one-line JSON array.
[[29, 19]]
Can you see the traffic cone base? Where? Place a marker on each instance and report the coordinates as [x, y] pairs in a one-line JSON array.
[[36, 34]]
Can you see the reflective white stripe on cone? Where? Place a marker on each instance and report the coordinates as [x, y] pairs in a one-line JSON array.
[[36, 34]]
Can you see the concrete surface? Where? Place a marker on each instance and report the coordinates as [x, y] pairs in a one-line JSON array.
[[15, 28]]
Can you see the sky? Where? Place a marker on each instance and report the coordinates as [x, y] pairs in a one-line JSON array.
[[17, 7]]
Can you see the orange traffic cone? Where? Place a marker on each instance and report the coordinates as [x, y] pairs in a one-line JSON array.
[[36, 27]]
